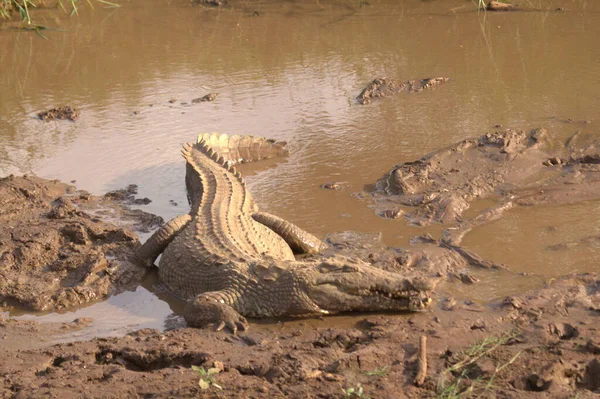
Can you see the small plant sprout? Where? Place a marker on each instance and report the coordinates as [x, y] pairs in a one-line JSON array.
[[207, 377], [379, 371], [357, 392]]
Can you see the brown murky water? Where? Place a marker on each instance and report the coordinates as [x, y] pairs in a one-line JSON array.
[[290, 71]]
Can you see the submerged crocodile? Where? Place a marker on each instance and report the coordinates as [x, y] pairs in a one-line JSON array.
[[383, 87], [228, 260]]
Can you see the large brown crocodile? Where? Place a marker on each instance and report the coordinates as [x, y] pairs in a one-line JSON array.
[[228, 260]]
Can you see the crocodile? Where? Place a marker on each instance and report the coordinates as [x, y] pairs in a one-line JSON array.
[[229, 261], [383, 87]]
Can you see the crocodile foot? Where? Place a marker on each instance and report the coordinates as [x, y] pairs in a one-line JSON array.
[[202, 311]]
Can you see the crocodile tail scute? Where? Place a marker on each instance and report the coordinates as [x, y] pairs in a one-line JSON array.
[[242, 149]]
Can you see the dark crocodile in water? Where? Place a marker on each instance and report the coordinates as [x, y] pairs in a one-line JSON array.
[[66, 112], [383, 87], [229, 260]]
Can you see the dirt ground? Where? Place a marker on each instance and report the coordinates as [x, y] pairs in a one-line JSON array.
[[544, 344], [53, 246], [55, 255]]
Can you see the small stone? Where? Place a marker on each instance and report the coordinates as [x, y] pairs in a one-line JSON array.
[[449, 303], [218, 365], [332, 185], [332, 377], [208, 97], [467, 278], [478, 325], [394, 213], [314, 374], [513, 302]]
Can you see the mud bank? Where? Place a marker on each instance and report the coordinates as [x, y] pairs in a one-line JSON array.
[[57, 252], [544, 344], [54, 255], [519, 168]]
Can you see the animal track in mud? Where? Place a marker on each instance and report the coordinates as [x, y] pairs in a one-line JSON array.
[[148, 360]]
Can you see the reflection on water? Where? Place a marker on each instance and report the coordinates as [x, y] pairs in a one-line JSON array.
[[291, 73]]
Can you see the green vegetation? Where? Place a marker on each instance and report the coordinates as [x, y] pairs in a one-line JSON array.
[[24, 7], [454, 382], [357, 392], [207, 377], [379, 371]]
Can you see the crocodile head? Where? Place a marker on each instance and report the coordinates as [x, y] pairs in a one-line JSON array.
[[341, 284]]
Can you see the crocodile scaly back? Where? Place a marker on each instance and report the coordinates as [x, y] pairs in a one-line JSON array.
[[241, 149], [222, 229]]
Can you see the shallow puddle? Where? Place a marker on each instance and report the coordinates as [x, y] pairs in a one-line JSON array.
[[546, 241], [290, 71]]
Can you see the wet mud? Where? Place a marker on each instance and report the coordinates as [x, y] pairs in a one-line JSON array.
[[543, 344], [510, 68], [54, 255], [516, 168], [57, 252]]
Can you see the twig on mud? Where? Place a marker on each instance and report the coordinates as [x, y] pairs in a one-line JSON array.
[[422, 362]]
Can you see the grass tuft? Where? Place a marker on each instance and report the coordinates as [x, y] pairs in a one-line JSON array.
[[454, 382], [8, 8]]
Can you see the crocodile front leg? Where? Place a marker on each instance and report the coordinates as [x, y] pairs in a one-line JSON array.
[[205, 309], [300, 241], [156, 244]]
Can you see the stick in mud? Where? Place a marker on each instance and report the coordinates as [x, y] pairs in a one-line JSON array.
[[422, 362]]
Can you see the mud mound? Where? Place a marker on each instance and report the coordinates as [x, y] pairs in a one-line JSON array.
[[519, 168], [54, 255]]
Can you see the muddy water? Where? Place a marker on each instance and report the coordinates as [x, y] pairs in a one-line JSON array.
[[290, 71]]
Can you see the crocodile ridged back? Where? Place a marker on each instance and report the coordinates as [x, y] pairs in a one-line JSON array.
[[222, 229]]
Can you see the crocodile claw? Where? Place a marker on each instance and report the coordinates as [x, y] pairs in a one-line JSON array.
[[202, 312], [233, 326]]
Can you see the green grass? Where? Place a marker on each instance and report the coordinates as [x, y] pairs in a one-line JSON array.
[[379, 371], [454, 382], [23, 8]]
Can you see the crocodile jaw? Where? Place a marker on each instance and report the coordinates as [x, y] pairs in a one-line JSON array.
[[361, 287], [332, 300]]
